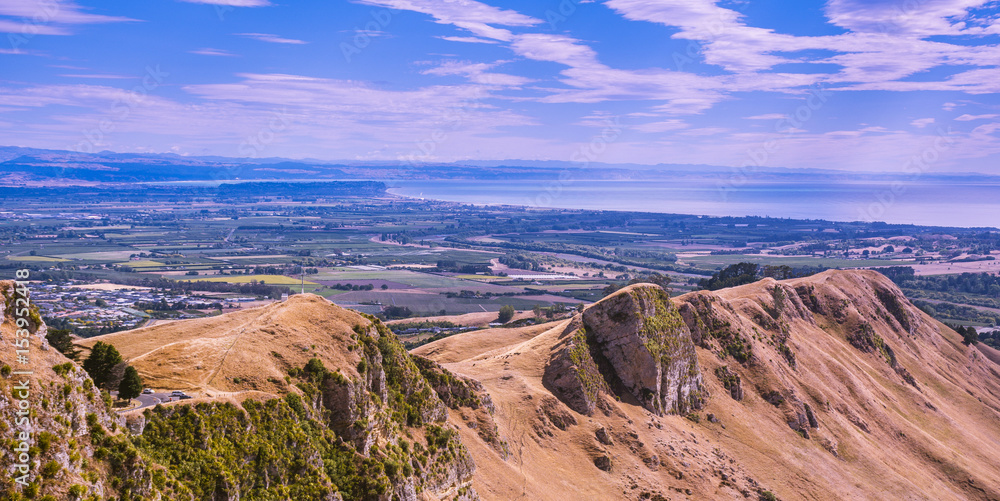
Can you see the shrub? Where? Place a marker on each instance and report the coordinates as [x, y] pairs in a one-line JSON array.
[[50, 469], [76, 491], [506, 314]]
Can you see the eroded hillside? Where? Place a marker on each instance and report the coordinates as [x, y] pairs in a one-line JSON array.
[[318, 403], [827, 387]]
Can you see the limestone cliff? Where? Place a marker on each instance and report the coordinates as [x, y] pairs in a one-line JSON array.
[[827, 387], [632, 342]]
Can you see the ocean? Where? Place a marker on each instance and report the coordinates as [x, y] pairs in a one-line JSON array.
[[931, 202]]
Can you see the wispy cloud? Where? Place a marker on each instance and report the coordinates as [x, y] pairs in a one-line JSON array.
[[269, 38], [46, 13], [768, 116], [968, 118], [232, 3], [207, 51], [467, 39], [469, 15], [478, 73], [14, 27], [920, 123], [97, 76]]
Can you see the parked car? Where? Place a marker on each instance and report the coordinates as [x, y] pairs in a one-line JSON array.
[[177, 393], [146, 391], [182, 397]]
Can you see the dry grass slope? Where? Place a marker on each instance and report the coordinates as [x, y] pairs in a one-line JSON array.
[[876, 436], [244, 351]]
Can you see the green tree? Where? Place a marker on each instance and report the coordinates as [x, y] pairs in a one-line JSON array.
[[101, 362], [731, 276], [653, 278], [314, 369], [131, 385], [60, 339], [506, 313], [969, 335]]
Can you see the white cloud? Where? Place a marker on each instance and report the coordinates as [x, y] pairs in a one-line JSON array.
[[42, 14], [24, 28], [269, 38], [478, 73], [986, 129], [468, 39], [469, 15], [916, 18], [968, 118], [233, 3], [767, 116], [591, 81], [326, 118], [207, 51], [920, 123], [885, 44]]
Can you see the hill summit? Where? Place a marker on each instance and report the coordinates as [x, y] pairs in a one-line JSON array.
[[832, 386]]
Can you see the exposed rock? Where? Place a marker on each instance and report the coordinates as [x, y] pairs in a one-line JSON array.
[[731, 381], [603, 463], [813, 422], [647, 348], [573, 375], [556, 414], [135, 423], [603, 436]]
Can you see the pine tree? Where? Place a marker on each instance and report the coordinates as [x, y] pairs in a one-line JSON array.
[[131, 385], [101, 362]]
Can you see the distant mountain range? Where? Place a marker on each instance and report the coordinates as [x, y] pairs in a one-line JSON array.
[[39, 167]]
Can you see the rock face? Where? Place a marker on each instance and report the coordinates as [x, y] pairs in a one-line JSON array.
[[634, 342]]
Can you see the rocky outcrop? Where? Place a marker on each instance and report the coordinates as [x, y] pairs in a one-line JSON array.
[[646, 343], [573, 374], [634, 342]]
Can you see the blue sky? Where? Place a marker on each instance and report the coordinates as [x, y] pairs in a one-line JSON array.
[[874, 85]]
